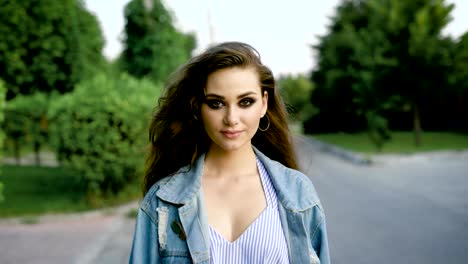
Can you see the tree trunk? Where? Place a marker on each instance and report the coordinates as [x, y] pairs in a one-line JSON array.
[[416, 126], [16, 151], [37, 147]]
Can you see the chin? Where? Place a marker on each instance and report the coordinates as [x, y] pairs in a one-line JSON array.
[[230, 146]]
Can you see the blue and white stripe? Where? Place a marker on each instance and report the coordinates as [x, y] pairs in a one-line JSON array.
[[262, 242]]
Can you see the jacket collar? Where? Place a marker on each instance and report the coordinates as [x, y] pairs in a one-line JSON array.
[[184, 185], [292, 188]]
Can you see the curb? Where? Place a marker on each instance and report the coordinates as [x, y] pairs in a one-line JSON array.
[[428, 156], [341, 153]]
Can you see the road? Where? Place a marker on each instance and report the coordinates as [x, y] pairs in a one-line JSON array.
[[410, 210]]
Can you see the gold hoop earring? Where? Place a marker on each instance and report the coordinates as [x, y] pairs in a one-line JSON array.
[[268, 125]]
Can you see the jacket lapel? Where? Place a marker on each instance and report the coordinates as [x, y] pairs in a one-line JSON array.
[[194, 223], [183, 188]]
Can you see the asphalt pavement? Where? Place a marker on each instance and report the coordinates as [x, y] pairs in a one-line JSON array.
[[398, 209], [411, 209]]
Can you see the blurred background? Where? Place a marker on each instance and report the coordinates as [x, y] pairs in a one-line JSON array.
[[377, 92]]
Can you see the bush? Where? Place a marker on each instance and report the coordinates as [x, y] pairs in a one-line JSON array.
[[100, 130], [2, 135], [296, 91], [26, 122]]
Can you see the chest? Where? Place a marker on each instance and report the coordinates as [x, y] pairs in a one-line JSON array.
[[232, 206]]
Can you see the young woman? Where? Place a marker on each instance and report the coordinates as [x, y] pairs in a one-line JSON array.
[[221, 184]]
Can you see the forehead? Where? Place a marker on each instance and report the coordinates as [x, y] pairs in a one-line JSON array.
[[235, 80]]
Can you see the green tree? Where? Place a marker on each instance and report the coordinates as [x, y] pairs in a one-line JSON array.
[[456, 106], [153, 47], [381, 54], [355, 56], [47, 45], [296, 91], [415, 29], [459, 77], [26, 123], [335, 72]]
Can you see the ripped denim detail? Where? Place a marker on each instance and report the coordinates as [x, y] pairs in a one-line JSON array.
[[163, 215]]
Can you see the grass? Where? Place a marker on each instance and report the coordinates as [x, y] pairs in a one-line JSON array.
[[401, 142], [30, 191]]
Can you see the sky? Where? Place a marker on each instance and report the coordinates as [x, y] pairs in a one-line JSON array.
[[282, 31]]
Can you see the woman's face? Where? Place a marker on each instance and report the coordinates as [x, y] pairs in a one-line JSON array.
[[233, 106]]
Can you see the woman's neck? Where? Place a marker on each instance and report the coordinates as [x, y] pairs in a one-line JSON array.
[[227, 163]]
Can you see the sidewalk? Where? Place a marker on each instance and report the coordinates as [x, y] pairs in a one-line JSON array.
[[420, 157], [102, 236], [47, 159]]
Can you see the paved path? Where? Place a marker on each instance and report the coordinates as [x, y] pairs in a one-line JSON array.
[[95, 237], [398, 210]]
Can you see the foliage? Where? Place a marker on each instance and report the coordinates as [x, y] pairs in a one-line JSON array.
[[99, 130], [380, 56], [417, 28], [296, 91], [370, 62], [2, 133], [333, 92], [377, 129], [460, 56], [459, 82], [152, 46], [26, 122], [47, 45]]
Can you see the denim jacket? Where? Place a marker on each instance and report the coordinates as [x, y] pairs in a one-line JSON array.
[[172, 224]]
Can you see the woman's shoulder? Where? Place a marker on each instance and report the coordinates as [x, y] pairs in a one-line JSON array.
[[280, 170], [299, 176], [170, 189], [293, 186], [294, 178], [150, 200], [301, 189]]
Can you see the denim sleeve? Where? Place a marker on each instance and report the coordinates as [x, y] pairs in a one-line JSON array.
[[145, 240], [320, 237]]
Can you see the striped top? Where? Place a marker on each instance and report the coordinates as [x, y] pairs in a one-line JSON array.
[[262, 242]]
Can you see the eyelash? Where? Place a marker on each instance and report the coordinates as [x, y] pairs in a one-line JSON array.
[[216, 104]]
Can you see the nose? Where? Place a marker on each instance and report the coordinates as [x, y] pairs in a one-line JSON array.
[[231, 116]]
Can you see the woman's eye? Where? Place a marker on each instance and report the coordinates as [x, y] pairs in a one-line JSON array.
[[214, 104], [246, 102]]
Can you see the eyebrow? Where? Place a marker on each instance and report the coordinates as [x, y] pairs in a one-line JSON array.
[[222, 97]]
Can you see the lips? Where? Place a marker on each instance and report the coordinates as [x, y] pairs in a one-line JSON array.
[[231, 133]]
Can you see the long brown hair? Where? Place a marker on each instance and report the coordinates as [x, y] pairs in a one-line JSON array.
[[176, 134]]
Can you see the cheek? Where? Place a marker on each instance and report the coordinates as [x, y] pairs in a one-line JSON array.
[[253, 116], [208, 116]]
